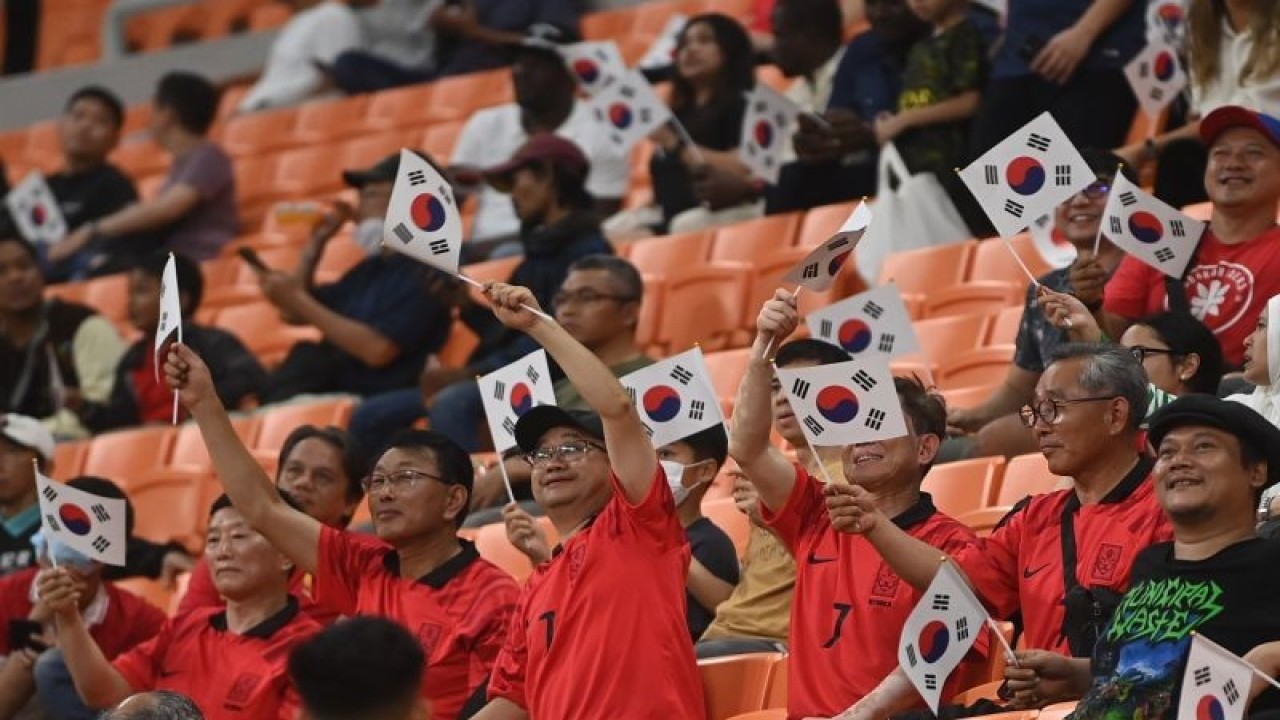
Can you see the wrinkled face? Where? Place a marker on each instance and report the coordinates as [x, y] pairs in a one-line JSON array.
[[1079, 218], [244, 564], [1256, 368], [21, 284], [1200, 475], [88, 131], [592, 307], [1165, 371], [578, 478], [532, 193], [1082, 430], [313, 475], [698, 56], [375, 200], [17, 477], [144, 300], [1243, 170], [411, 501], [889, 464]]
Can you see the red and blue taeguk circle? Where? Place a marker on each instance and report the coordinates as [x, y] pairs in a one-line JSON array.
[[764, 133], [39, 215], [586, 69], [661, 403], [427, 212], [521, 399], [1146, 227], [933, 641], [1171, 14], [1025, 175], [854, 335], [837, 262], [837, 403], [620, 115], [75, 519], [1165, 66], [1210, 708]]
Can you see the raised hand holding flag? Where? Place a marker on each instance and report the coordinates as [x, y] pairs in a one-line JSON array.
[[1148, 229], [844, 403], [91, 525], [169, 326], [767, 127], [872, 322], [675, 397], [35, 210], [596, 64], [1156, 76], [508, 393], [939, 632]]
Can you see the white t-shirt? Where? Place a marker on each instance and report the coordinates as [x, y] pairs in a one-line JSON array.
[[315, 35], [1261, 95], [494, 134]]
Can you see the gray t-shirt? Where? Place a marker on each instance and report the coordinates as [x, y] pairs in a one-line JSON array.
[[213, 222]]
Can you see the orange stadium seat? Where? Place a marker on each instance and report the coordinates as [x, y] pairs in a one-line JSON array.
[[926, 270], [307, 172], [974, 296], [980, 366], [43, 150], [171, 509], [439, 140], [269, 16], [771, 77], [109, 295], [68, 459], [822, 222], [1026, 475], [707, 302], [340, 255], [125, 456], [668, 253], [655, 288], [492, 544], [256, 133], [944, 336], [776, 697], [70, 32], [364, 151], [404, 107], [189, 453], [964, 485], [769, 714], [754, 239], [455, 98], [607, 24], [766, 278], [277, 421], [993, 261], [259, 327], [153, 591], [1003, 328], [726, 515], [727, 368], [736, 684], [141, 157], [968, 397], [329, 120]]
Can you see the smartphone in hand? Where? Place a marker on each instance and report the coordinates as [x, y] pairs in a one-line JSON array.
[[25, 634]]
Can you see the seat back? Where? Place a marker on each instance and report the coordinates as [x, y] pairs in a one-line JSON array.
[[726, 515], [964, 485], [278, 421], [993, 261], [125, 456], [493, 545], [981, 366], [667, 253], [927, 269], [702, 305], [754, 239], [736, 684], [1026, 475], [974, 297], [171, 509]]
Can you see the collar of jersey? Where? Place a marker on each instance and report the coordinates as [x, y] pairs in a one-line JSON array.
[[1124, 489], [22, 523], [441, 576], [916, 514], [264, 629]]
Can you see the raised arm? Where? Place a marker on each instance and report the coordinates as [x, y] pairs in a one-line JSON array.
[[100, 685], [632, 455], [853, 510], [294, 533], [770, 471]]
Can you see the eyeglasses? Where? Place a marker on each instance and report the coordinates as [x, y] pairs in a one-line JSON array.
[[1140, 352], [585, 297], [1097, 190], [399, 481], [1049, 410], [570, 452]]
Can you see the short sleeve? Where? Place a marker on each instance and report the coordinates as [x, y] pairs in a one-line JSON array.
[[337, 31], [469, 149], [652, 520], [1128, 289], [138, 666], [493, 616], [715, 551], [610, 172], [208, 172], [991, 564], [1026, 353], [967, 60], [791, 521], [510, 670], [342, 565]]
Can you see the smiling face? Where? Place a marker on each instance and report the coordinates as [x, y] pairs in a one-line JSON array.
[[1082, 429], [1243, 171], [313, 475], [243, 563], [1079, 218], [1165, 371], [888, 465], [581, 481], [423, 507], [1201, 477], [1256, 360]]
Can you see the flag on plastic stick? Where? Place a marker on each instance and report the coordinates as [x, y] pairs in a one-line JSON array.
[[1156, 76], [595, 64], [35, 210], [423, 221], [628, 110], [1167, 22], [1150, 230], [1027, 175], [871, 322], [675, 397], [819, 268], [939, 632], [767, 128], [999, 7], [511, 391], [169, 326], [1215, 684], [663, 50], [90, 524], [845, 403]]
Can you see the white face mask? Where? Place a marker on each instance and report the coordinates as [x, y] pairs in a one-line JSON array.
[[368, 235], [675, 479]]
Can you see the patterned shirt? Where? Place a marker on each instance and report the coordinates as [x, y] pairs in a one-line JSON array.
[[1037, 339]]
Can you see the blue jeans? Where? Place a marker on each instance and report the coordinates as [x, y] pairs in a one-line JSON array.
[[57, 690], [456, 412], [359, 71]]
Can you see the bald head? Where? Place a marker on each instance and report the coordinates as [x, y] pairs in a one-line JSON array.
[[159, 705]]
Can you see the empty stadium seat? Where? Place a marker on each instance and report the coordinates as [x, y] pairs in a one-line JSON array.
[[258, 133], [993, 261], [171, 508], [968, 397], [364, 151], [752, 240], [736, 684], [68, 459], [766, 278], [669, 253], [125, 456], [1004, 325], [924, 271], [650, 310], [189, 453], [153, 591], [259, 327], [707, 302], [980, 366], [322, 123], [973, 297], [492, 544], [307, 172], [277, 421], [776, 696], [822, 222], [1026, 475], [944, 336], [726, 515], [964, 485], [727, 368]]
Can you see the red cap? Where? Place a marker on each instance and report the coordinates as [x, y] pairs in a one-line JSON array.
[[544, 147], [1232, 116]]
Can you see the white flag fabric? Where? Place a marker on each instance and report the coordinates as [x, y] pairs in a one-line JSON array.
[[663, 50], [1058, 253], [1156, 76], [510, 392], [845, 403], [872, 322], [818, 270], [675, 397], [169, 327], [1027, 175], [1215, 684], [90, 524], [999, 7], [35, 210], [1167, 22], [1150, 230], [767, 128], [423, 221], [628, 110], [939, 632], [595, 64]]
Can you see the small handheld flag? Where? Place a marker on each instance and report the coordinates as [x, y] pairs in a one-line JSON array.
[[1167, 22], [628, 110], [939, 632], [508, 393], [767, 127], [1156, 76], [844, 403], [1148, 229], [675, 397], [1215, 683], [35, 210], [663, 50], [91, 525], [872, 322], [169, 326], [596, 65], [423, 221], [818, 270]]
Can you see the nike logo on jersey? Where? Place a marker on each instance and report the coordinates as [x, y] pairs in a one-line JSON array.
[[1028, 573], [815, 560]]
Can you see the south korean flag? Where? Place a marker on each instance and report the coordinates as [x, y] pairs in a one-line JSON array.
[[845, 403], [675, 397], [939, 632], [1215, 685], [818, 270], [1167, 22], [35, 210], [663, 50], [596, 65], [767, 127], [91, 525], [423, 221], [1027, 175], [873, 322], [1151, 231], [1156, 76], [629, 110], [511, 391]]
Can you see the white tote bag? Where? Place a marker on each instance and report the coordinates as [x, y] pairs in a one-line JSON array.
[[910, 212]]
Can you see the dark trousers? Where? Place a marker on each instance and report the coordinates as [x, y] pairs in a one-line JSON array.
[[802, 186], [1095, 109], [357, 72]]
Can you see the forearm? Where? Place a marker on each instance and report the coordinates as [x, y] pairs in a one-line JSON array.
[[17, 683], [246, 483], [305, 270], [100, 685], [894, 694], [367, 345], [749, 436], [501, 709], [1188, 131], [1101, 15], [705, 587], [598, 385], [960, 107], [139, 217], [913, 560]]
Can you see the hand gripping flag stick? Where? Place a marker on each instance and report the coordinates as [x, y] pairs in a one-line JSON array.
[[481, 287]]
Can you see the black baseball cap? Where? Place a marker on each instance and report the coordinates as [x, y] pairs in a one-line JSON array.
[[383, 171], [542, 419], [1236, 418]]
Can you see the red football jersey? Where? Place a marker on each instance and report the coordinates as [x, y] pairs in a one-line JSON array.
[[1019, 567], [849, 605], [230, 676], [601, 632], [129, 620], [459, 611], [202, 593]]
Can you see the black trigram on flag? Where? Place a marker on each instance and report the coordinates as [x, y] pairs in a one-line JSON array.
[[1144, 69], [681, 375], [810, 270], [911, 654], [941, 603], [402, 233], [100, 513], [1203, 675], [930, 681], [1157, 93], [508, 426], [886, 342], [824, 328], [1177, 228], [499, 390], [1116, 226], [863, 380], [52, 522], [814, 426], [417, 177], [101, 544], [49, 493], [875, 418], [800, 388], [1014, 208], [1127, 198], [962, 628], [648, 430], [1061, 175], [1036, 141], [1231, 691], [532, 373], [1164, 254], [632, 393], [837, 243], [439, 247], [991, 174], [696, 408], [872, 310]]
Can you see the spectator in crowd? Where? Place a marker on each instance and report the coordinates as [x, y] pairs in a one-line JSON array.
[[90, 187], [478, 34], [320, 469], [379, 320], [318, 32], [546, 181], [1235, 60], [1085, 416], [690, 465], [159, 705], [421, 575], [117, 620], [1065, 57], [993, 428], [195, 210], [230, 661], [1262, 368], [47, 346], [546, 102], [1213, 459], [714, 69], [1236, 266], [624, 650], [846, 615], [365, 668], [137, 395], [757, 616]]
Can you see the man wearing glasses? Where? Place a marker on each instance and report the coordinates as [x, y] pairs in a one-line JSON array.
[[1084, 415], [430, 581]]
